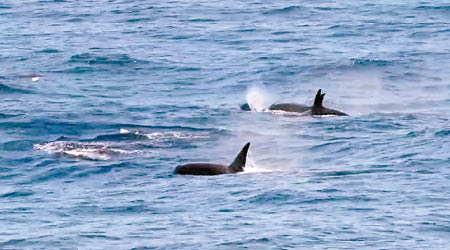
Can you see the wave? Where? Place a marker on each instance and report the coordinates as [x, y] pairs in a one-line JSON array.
[[105, 147], [92, 151], [5, 89], [48, 51], [370, 62], [17, 194], [69, 127], [293, 197], [165, 136], [94, 62], [200, 20], [112, 59], [273, 196], [252, 167], [3, 115], [427, 7], [339, 173], [285, 10], [445, 132]]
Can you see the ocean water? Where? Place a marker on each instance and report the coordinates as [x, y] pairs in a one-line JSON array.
[[101, 100]]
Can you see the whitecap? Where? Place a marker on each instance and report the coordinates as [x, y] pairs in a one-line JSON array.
[[167, 136], [252, 167], [85, 150]]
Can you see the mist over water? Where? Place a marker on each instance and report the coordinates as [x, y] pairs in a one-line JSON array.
[[101, 100], [258, 98]]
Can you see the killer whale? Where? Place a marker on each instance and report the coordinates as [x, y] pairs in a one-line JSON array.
[[319, 109], [316, 109], [215, 169]]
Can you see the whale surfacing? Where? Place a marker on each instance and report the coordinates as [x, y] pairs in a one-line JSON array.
[[316, 109], [215, 169]]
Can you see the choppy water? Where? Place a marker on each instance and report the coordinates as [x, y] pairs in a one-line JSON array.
[[100, 100]]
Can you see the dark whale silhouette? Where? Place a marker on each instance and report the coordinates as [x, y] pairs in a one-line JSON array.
[[214, 169], [316, 109]]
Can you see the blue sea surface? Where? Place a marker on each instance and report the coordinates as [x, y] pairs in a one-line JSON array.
[[101, 100]]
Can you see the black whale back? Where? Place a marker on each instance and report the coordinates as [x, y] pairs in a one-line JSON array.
[[214, 169]]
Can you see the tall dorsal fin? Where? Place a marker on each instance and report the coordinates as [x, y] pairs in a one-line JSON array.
[[319, 98], [239, 163]]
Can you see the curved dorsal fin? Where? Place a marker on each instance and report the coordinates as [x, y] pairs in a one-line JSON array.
[[319, 98], [239, 163]]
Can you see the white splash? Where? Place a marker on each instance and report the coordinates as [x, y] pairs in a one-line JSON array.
[[124, 131], [287, 113], [88, 153], [251, 167], [165, 136], [324, 115], [85, 150], [93, 151], [172, 135], [258, 98]]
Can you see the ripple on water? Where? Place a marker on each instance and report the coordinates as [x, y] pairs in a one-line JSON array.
[[16, 194], [113, 59], [5, 89]]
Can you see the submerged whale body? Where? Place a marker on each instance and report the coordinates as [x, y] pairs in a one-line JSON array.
[[214, 169], [316, 109]]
